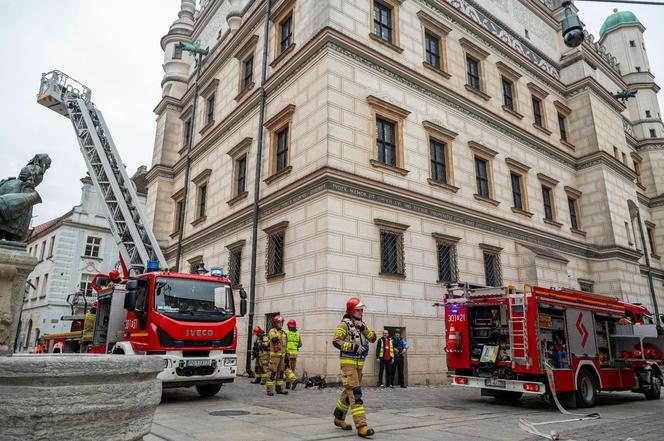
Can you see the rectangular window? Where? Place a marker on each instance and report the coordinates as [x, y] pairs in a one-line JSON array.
[[482, 177], [391, 253], [44, 286], [275, 253], [201, 201], [537, 111], [92, 246], [562, 125], [438, 166], [432, 48], [177, 52], [248, 68], [586, 286], [42, 251], [624, 158], [385, 142], [447, 262], [234, 265], [492, 269], [282, 149], [241, 166], [573, 216], [36, 292], [548, 203], [187, 132], [473, 71], [651, 240], [178, 221], [50, 247], [210, 110], [508, 93], [383, 21], [653, 134], [517, 195], [286, 33], [632, 43], [648, 114]]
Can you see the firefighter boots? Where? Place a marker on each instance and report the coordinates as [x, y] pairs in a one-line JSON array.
[[364, 431], [342, 424]]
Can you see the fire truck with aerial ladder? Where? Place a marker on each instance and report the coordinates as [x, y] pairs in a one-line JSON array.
[[189, 320], [543, 341]]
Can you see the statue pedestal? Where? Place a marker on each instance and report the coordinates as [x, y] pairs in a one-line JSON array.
[[63, 397], [15, 266]]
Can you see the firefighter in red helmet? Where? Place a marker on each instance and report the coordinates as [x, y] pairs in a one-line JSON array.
[[261, 353], [278, 343], [294, 345], [352, 338]]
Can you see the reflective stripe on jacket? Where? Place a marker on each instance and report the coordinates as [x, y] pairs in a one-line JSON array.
[[294, 342], [347, 338]]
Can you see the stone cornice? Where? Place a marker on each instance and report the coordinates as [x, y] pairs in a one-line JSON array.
[[591, 84], [160, 171], [605, 159], [168, 102], [341, 182]]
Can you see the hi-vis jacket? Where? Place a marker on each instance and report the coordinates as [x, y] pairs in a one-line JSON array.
[[347, 338], [294, 342]]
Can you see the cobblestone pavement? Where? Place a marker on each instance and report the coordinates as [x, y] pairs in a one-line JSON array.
[[242, 411]]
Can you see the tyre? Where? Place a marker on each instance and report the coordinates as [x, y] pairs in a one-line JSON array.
[[586, 393], [208, 390], [655, 389]]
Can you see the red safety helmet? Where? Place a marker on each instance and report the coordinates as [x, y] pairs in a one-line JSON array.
[[114, 275], [258, 330], [352, 304], [95, 304], [277, 318], [292, 323]]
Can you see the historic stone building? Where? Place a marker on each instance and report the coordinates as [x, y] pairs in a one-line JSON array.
[[407, 143]]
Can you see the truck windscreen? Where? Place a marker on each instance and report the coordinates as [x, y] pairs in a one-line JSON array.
[[193, 300]]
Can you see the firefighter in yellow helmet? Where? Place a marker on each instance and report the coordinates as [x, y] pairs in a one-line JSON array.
[[261, 353], [352, 338], [278, 344], [294, 345]]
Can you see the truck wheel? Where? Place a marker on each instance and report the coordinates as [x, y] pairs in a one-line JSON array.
[[586, 394], [653, 392], [208, 390]]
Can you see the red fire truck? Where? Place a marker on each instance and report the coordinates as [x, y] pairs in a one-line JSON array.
[[508, 342], [186, 319]]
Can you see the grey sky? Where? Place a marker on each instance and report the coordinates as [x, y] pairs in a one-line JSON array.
[[113, 48]]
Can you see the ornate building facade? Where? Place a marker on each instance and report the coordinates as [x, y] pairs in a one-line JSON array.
[[406, 143]]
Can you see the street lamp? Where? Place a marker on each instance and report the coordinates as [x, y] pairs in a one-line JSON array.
[[572, 27]]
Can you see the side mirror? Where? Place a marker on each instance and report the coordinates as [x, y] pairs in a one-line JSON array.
[[243, 293], [243, 307], [130, 299]]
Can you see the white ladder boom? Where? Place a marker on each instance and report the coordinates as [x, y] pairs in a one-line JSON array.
[[135, 240]]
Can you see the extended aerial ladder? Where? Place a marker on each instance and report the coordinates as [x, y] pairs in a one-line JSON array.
[[135, 240]]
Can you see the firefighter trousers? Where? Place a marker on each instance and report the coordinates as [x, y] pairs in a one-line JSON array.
[[276, 378], [351, 396], [290, 370]]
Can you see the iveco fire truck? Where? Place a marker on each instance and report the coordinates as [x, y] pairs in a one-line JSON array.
[[539, 341], [186, 319]]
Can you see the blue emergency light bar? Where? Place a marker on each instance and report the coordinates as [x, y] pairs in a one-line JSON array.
[[217, 272], [153, 266]]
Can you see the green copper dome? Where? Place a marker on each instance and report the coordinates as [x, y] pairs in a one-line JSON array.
[[616, 19]]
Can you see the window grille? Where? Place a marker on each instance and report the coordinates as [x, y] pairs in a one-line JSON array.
[[448, 269], [275, 254], [392, 253], [492, 269], [235, 265]]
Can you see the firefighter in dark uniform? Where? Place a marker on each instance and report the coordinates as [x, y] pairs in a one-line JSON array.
[[352, 338], [260, 352]]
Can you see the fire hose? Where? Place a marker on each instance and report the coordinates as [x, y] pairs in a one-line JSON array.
[[553, 435]]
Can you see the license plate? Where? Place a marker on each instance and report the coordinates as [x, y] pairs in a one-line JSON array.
[[198, 363], [494, 382]]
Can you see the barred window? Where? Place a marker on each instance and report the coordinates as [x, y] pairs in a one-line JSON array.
[[385, 142], [392, 253], [432, 49], [492, 269], [235, 265], [383, 21], [473, 70], [447, 262], [508, 93], [274, 256]]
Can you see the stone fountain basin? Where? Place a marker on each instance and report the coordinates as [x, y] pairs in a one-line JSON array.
[[78, 396]]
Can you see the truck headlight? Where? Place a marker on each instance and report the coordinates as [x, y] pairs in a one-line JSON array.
[[230, 361]]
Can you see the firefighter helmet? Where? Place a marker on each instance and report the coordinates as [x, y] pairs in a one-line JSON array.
[[277, 319], [352, 304], [258, 330], [292, 323], [114, 275]]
